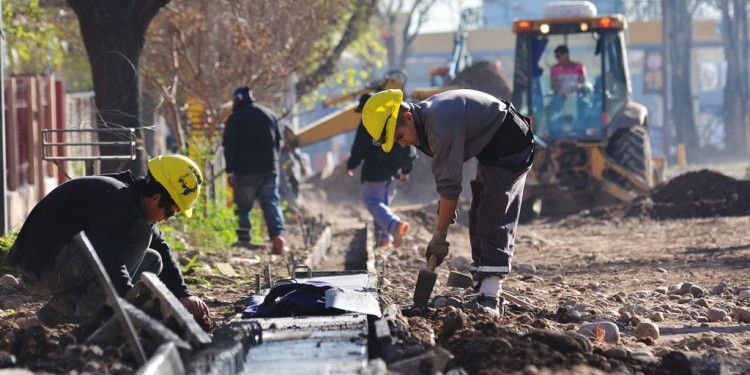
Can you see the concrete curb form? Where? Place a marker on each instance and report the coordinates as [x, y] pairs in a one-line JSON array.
[[370, 250], [319, 249]]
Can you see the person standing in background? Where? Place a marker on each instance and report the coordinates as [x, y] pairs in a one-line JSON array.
[[380, 173], [252, 143]]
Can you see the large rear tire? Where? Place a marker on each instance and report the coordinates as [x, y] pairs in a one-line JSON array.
[[630, 148]]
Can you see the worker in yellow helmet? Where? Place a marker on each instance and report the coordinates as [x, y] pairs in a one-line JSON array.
[[453, 127], [119, 214]]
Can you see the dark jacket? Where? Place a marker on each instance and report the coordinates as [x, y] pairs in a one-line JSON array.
[[107, 208], [252, 140], [378, 164]]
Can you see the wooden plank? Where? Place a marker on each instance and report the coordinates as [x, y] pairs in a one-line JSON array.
[[226, 269]]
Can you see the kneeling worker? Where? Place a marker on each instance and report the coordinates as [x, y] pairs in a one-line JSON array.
[[119, 214]]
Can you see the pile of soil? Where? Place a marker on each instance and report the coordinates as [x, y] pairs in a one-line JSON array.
[[702, 193], [695, 194], [484, 76]]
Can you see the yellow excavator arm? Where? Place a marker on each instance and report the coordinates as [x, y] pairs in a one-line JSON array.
[[346, 119]]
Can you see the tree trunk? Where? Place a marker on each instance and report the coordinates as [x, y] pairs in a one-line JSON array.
[[114, 32], [682, 96], [734, 31]]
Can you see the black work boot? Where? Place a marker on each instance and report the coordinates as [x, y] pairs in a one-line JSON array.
[[243, 240], [492, 305]]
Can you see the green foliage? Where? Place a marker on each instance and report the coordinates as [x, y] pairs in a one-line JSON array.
[[188, 268], [197, 280], [212, 226], [364, 56], [44, 38], [34, 44], [5, 243]]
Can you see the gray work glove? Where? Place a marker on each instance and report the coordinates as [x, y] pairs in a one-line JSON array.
[[438, 246], [455, 214]]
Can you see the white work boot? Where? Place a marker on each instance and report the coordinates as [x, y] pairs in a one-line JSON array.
[[492, 305], [489, 297]]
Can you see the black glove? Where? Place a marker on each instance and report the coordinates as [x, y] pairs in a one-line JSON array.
[[438, 246], [455, 214]]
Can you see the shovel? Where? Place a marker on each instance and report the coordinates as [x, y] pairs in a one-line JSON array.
[[425, 284], [460, 280]]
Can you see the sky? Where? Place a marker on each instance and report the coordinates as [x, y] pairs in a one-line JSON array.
[[445, 15]]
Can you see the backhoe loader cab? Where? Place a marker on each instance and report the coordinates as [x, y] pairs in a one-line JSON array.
[[571, 77]]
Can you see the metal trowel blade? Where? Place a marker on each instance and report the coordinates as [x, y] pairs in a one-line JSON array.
[[459, 280]]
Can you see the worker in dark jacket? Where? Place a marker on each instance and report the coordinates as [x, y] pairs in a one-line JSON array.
[[453, 127], [119, 214], [379, 172], [252, 142]]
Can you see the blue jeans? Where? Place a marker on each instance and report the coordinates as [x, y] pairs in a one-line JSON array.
[[264, 188], [378, 196]]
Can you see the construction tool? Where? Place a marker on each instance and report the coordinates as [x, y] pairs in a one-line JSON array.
[[425, 284], [460, 280]]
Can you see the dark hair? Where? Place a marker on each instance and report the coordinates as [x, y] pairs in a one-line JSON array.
[[403, 108], [562, 48], [148, 187]]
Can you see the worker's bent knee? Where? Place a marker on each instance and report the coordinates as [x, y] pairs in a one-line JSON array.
[[151, 262]]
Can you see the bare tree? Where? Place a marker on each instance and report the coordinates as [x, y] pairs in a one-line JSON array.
[[734, 30], [416, 17], [203, 50], [114, 32]]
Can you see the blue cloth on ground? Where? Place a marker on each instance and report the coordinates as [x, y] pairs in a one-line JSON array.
[[293, 299]]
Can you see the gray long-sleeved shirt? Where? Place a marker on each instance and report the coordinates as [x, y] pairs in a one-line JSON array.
[[455, 126]]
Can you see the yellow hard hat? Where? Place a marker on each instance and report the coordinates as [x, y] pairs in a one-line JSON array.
[[380, 114], [181, 177]]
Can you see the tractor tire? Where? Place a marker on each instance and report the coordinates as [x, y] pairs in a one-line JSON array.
[[630, 148]]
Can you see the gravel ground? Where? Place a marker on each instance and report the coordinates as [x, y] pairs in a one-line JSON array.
[[656, 287]]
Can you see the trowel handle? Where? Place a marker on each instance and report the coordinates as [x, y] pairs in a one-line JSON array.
[[431, 263]]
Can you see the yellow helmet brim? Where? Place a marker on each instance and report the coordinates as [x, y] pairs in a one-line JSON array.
[[380, 116], [390, 131]]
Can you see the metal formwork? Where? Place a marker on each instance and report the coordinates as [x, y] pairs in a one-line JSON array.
[[335, 344]]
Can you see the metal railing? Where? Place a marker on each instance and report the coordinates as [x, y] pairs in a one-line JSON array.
[[86, 138]]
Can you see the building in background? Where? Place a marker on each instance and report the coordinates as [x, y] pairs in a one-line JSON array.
[[501, 13]]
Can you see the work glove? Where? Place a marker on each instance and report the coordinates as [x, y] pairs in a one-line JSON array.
[[438, 246], [455, 214]]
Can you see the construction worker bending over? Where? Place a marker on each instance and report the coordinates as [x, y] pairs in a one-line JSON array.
[[119, 214], [453, 127], [380, 170]]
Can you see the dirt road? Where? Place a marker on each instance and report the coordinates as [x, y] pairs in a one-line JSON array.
[[664, 280], [656, 287]]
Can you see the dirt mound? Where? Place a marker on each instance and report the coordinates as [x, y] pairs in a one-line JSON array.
[[702, 193], [695, 194], [484, 76]]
